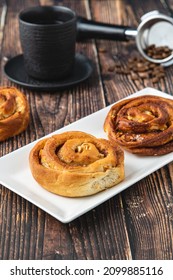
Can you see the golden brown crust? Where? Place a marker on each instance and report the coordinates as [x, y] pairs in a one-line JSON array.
[[14, 112], [142, 125], [76, 164]]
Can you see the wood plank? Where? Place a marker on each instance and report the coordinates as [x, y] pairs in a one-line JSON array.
[[146, 204], [149, 215], [136, 224], [26, 231], [18, 217], [96, 235], [85, 243]]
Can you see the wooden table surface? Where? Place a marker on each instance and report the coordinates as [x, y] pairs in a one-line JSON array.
[[135, 224]]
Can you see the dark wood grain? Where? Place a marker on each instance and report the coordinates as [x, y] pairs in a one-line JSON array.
[[136, 224], [146, 203]]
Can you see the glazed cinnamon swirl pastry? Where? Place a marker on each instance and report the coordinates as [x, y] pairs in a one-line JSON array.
[[14, 112], [142, 125], [76, 164]]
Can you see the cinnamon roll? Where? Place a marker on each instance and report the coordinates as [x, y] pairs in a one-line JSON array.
[[142, 125], [76, 164], [14, 112]]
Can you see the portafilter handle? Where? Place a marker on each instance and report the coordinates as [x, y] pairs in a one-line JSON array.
[[89, 29]]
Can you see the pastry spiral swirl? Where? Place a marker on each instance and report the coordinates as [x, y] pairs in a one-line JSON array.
[[14, 112], [142, 125], [76, 164]]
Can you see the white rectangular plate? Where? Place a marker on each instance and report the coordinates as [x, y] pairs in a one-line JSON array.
[[15, 172]]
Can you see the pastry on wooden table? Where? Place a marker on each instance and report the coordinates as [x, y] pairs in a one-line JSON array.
[[76, 164], [14, 112], [142, 125]]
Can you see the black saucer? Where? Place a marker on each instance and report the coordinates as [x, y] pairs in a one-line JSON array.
[[15, 71]]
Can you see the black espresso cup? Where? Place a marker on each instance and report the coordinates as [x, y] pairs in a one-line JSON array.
[[48, 36]]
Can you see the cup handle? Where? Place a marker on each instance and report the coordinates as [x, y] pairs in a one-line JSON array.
[[89, 29]]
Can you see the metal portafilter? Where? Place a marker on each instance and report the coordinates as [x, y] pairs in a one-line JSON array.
[[154, 35]]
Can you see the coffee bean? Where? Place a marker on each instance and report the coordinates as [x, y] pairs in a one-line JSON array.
[[134, 77], [155, 80], [102, 50], [138, 68], [119, 70], [143, 75], [160, 52], [142, 68], [160, 75]]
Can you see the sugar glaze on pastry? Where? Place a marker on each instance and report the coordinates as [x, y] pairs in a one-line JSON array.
[[76, 164], [14, 112], [142, 125]]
